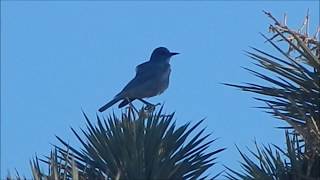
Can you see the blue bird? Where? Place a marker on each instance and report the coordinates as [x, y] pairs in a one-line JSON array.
[[151, 79]]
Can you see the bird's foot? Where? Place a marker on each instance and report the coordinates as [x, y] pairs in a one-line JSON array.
[[151, 107]]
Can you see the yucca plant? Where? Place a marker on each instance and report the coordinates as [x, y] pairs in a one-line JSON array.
[[272, 162], [137, 146], [293, 96], [58, 168], [16, 177]]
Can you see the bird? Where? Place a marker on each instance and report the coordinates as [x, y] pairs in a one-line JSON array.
[[151, 79]]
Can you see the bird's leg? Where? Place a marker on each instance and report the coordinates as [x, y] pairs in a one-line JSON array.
[[132, 106], [147, 103], [150, 106]]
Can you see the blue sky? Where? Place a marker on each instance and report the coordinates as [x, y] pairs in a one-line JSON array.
[[60, 57]]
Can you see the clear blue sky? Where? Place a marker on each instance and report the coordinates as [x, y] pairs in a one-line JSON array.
[[60, 57]]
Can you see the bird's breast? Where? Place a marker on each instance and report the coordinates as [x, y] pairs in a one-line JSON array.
[[166, 74], [163, 81]]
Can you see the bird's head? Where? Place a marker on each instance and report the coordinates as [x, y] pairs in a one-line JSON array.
[[162, 54]]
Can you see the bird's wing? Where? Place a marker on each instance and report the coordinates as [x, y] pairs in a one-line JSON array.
[[142, 67], [144, 72]]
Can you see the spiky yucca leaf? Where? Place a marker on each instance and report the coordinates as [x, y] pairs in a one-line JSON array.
[[140, 146], [277, 164], [294, 91], [293, 96], [17, 176], [58, 168]]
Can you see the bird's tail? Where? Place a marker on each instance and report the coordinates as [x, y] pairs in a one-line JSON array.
[[109, 104], [125, 102]]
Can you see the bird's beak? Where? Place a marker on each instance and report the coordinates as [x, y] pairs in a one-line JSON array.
[[174, 53]]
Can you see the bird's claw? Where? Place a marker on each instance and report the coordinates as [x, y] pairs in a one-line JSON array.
[[151, 107]]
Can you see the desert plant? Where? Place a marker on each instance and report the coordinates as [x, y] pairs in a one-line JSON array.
[[136, 146], [293, 97]]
